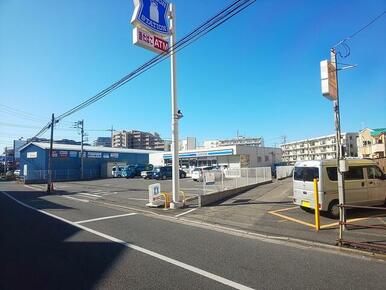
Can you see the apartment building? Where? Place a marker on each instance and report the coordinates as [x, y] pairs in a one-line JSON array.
[[372, 143], [138, 140], [323, 147], [103, 142]]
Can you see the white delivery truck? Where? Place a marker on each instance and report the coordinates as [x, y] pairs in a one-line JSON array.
[[365, 184]]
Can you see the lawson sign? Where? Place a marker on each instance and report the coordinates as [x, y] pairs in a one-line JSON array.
[[201, 154], [151, 15]]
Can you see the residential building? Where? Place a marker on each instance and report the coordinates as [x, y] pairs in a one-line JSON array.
[[138, 140], [372, 143], [211, 144], [103, 141], [189, 143], [323, 147], [240, 140]]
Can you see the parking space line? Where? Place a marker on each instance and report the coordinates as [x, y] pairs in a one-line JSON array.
[[89, 194], [33, 187], [186, 212], [105, 218], [350, 221], [292, 219], [74, 198], [135, 198], [153, 254]]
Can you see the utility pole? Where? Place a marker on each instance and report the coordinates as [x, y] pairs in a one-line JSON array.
[[112, 133], [49, 179], [81, 123], [339, 156], [175, 115]]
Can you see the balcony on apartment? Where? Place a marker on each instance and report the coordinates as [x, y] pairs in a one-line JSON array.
[[378, 147]]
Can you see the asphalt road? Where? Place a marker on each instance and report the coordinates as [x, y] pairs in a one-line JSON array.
[[82, 245]]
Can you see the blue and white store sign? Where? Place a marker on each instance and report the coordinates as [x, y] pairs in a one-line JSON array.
[[151, 15], [201, 154]]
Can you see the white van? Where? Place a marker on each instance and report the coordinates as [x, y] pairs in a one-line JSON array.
[[117, 171], [365, 184], [198, 172]]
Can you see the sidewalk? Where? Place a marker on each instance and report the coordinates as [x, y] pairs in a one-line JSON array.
[[268, 209]]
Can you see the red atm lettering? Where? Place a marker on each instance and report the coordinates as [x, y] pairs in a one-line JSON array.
[[160, 44]]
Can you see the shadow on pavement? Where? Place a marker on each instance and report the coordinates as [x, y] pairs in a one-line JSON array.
[[39, 252]]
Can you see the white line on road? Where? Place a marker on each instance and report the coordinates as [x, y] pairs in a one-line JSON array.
[[184, 213], [74, 198], [134, 198], [33, 187], [105, 218], [89, 194], [140, 249]]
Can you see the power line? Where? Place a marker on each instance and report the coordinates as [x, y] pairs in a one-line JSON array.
[[224, 15], [343, 41], [219, 18]]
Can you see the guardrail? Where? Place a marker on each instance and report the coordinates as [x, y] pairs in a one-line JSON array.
[[234, 178], [369, 245]]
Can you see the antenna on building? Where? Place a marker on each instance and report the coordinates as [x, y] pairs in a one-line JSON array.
[[284, 139]]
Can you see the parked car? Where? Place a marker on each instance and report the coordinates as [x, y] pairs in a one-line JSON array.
[[147, 174], [17, 172], [198, 172], [116, 171], [165, 172], [365, 184], [135, 170]]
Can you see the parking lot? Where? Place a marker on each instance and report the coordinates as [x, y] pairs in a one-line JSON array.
[[265, 209], [132, 192]]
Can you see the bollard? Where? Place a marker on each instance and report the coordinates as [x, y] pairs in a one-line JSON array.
[[316, 205]]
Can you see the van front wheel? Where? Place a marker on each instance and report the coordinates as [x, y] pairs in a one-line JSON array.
[[333, 209]]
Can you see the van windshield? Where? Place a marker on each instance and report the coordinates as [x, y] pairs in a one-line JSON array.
[[306, 173]]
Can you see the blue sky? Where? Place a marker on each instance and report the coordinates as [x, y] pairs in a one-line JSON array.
[[258, 73]]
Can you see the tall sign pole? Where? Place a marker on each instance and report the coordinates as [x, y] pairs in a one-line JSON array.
[[339, 152], [175, 115], [151, 31], [329, 77]]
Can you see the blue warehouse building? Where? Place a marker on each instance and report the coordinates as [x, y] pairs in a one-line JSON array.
[[66, 161]]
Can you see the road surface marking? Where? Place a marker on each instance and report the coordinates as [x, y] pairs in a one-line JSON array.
[[291, 219], [89, 194], [108, 193], [33, 187], [161, 257], [283, 209], [105, 218], [350, 221], [74, 198], [134, 198], [184, 213]]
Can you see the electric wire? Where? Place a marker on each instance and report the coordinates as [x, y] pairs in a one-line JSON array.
[[344, 40], [224, 15]]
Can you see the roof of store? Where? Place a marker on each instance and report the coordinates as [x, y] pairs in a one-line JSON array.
[[87, 148]]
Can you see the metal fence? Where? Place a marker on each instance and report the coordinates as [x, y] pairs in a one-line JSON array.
[[215, 181], [61, 175], [284, 171]]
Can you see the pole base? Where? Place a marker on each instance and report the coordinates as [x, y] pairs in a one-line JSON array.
[[176, 205]]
